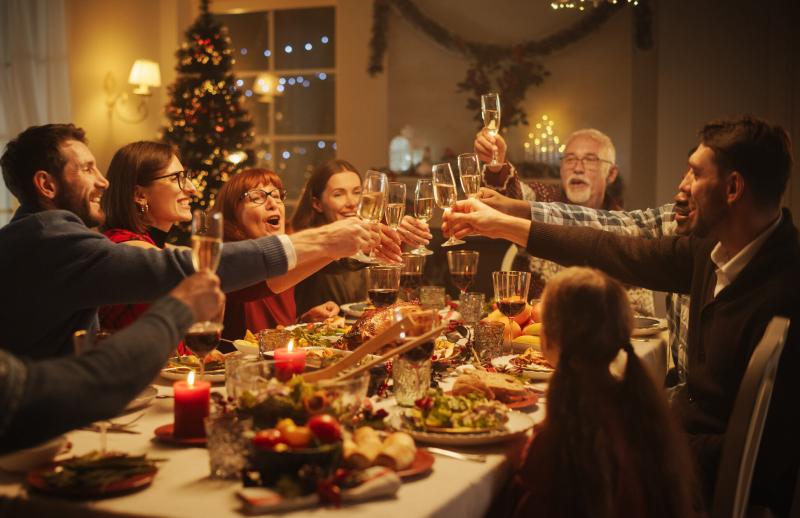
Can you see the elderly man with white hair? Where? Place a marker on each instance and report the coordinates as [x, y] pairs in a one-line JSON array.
[[588, 172]]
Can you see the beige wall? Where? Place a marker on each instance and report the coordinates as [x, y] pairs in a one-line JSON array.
[[107, 37], [650, 103], [716, 61]]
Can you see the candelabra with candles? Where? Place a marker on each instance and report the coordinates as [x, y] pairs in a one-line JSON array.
[[543, 145]]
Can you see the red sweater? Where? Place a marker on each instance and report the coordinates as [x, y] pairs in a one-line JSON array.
[[255, 308]]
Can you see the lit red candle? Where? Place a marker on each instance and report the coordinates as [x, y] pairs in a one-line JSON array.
[[191, 407], [289, 361]]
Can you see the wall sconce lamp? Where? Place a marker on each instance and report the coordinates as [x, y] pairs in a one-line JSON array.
[[144, 75]]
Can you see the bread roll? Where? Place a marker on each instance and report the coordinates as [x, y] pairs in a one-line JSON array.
[[398, 451], [368, 445]]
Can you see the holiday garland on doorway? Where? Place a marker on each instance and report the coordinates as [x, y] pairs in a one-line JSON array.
[[507, 69]]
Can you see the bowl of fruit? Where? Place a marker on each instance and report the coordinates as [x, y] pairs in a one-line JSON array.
[[293, 457]]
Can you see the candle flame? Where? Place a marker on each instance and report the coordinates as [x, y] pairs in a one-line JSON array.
[[290, 345], [190, 379]]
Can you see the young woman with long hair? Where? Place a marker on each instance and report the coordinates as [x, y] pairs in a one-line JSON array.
[[332, 193]]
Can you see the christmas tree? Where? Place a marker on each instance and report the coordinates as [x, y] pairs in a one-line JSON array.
[[207, 122]]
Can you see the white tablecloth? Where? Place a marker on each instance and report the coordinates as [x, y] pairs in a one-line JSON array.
[[183, 488]]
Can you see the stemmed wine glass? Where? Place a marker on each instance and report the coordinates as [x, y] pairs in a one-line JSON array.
[[469, 169], [490, 112], [383, 284], [511, 291], [395, 204], [411, 276], [444, 192], [371, 205], [203, 337], [463, 265], [423, 209]]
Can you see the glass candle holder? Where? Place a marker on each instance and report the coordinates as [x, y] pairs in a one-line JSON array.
[[489, 339], [271, 339], [411, 374], [471, 307], [233, 362], [432, 297], [227, 438]]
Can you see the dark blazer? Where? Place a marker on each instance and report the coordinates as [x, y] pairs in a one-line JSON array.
[[723, 332]]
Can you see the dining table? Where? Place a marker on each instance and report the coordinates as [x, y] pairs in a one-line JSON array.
[[183, 488]]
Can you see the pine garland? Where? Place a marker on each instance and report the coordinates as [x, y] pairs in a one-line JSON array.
[[507, 69]]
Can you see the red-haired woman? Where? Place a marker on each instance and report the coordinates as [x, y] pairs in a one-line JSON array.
[[251, 203]]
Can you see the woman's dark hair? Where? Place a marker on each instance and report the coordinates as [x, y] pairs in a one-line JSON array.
[[38, 148], [304, 215], [134, 164], [229, 198], [587, 315]]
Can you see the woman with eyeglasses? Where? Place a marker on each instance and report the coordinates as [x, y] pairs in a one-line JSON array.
[[149, 191], [251, 203]]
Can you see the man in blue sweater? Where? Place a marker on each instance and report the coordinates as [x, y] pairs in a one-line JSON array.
[[56, 272], [40, 399]]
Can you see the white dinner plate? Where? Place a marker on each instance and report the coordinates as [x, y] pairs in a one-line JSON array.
[[180, 373], [503, 363], [646, 326], [143, 399], [518, 423]]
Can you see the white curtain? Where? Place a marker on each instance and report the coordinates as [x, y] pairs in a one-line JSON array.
[[34, 83]]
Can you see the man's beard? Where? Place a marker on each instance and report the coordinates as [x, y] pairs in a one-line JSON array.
[[67, 200], [578, 193], [707, 220]]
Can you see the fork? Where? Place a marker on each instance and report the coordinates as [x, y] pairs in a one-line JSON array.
[[474, 457]]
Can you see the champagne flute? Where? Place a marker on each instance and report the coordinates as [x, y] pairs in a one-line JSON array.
[[444, 192], [207, 228], [490, 112], [423, 209], [463, 265], [511, 292], [395, 204], [383, 284], [469, 169], [371, 205]]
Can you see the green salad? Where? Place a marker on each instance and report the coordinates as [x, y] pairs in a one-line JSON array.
[[457, 413]]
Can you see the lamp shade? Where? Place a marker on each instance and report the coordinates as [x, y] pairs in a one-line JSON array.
[[144, 74]]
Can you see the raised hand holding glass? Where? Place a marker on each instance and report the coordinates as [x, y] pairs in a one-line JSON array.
[[444, 192]]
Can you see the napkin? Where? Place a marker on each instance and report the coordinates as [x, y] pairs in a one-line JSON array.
[[378, 482]]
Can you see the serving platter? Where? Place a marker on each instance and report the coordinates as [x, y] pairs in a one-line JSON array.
[[518, 423]]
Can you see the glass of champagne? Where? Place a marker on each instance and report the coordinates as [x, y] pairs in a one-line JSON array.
[[463, 265], [395, 204], [411, 276], [203, 337], [383, 284], [371, 205], [490, 112], [469, 168], [444, 192], [511, 292], [423, 209]]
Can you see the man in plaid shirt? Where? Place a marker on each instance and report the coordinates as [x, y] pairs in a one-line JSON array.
[[670, 219]]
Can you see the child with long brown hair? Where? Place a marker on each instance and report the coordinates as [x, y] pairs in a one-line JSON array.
[[608, 446]]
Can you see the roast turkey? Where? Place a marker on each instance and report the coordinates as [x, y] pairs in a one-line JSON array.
[[372, 322]]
